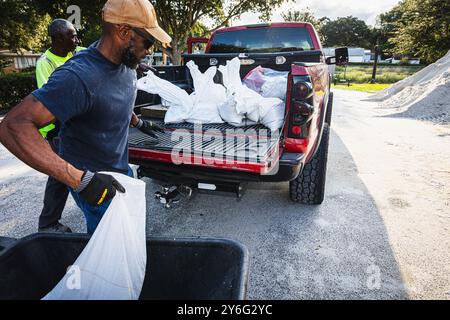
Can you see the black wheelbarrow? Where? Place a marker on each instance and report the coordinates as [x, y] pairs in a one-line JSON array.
[[177, 268]]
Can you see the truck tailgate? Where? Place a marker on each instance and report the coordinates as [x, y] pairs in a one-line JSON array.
[[251, 148]]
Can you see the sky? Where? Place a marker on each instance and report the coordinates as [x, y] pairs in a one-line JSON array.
[[366, 10]]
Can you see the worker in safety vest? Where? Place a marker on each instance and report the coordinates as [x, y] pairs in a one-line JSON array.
[[64, 44]]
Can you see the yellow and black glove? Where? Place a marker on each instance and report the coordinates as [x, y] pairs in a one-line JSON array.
[[98, 188]]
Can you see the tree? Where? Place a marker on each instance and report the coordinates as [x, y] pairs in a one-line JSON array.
[[21, 26], [180, 17], [90, 15], [5, 62], [305, 15], [419, 28], [348, 32], [24, 23], [90, 10], [385, 29]]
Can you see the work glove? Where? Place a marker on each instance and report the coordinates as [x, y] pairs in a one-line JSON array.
[[97, 188], [149, 127]]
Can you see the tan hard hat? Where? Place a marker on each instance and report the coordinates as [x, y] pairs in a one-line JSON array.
[[135, 13]]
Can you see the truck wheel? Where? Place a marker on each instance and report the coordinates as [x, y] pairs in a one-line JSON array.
[[309, 186], [329, 109]]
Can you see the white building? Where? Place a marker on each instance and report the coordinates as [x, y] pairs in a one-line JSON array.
[[20, 61], [360, 55]]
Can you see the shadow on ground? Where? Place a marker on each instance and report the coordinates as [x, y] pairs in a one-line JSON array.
[[338, 250]]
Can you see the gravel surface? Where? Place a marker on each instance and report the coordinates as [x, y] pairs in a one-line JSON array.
[[381, 233]]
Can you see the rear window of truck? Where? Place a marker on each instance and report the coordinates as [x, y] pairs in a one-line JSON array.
[[262, 40]]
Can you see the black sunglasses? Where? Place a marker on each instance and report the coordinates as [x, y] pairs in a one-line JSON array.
[[149, 40]]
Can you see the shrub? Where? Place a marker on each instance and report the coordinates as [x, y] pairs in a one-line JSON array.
[[404, 62], [5, 62], [14, 87], [389, 77], [91, 35]]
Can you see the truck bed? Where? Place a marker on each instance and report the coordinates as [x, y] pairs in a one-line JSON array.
[[253, 146], [245, 150]]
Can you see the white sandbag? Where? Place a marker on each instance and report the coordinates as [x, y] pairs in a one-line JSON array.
[[207, 96], [175, 114], [273, 117], [255, 79], [201, 80], [275, 87], [267, 103], [228, 113], [179, 102], [246, 122], [165, 89], [165, 103], [205, 112], [112, 265], [247, 102], [231, 76], [253, 115], [267, 82]]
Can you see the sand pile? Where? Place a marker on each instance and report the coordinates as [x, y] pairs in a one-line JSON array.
[[425, 95]]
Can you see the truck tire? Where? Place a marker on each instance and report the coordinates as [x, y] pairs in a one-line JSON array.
[[309, 186], [329, 109]]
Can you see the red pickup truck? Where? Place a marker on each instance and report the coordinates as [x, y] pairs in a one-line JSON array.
[[297, 153]]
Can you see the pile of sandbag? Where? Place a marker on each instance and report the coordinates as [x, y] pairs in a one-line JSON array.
[[244, 103], [233, 102]]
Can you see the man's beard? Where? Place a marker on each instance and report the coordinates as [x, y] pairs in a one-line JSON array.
[[129, 59]]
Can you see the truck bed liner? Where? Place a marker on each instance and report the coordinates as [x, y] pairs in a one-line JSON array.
[[251, 144]]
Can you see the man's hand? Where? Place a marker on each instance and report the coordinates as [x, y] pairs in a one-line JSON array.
[[149, 127], [98, 188], [143, 68]]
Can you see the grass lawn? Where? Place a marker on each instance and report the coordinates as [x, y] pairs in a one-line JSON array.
[[386, 73], [365, 87]]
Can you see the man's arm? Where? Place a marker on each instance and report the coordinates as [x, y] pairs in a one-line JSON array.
[[134, 120], [19, 134]]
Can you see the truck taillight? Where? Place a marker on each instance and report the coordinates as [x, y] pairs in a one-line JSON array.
[[302, 90], [301, 110], [296, 130]]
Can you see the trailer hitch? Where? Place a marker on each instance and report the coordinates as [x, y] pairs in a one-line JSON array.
[[170, 195]]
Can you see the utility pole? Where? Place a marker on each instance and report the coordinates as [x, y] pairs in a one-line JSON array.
[[375, 64]]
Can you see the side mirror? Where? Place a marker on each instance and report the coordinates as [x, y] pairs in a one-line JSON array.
[[340, 58]]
